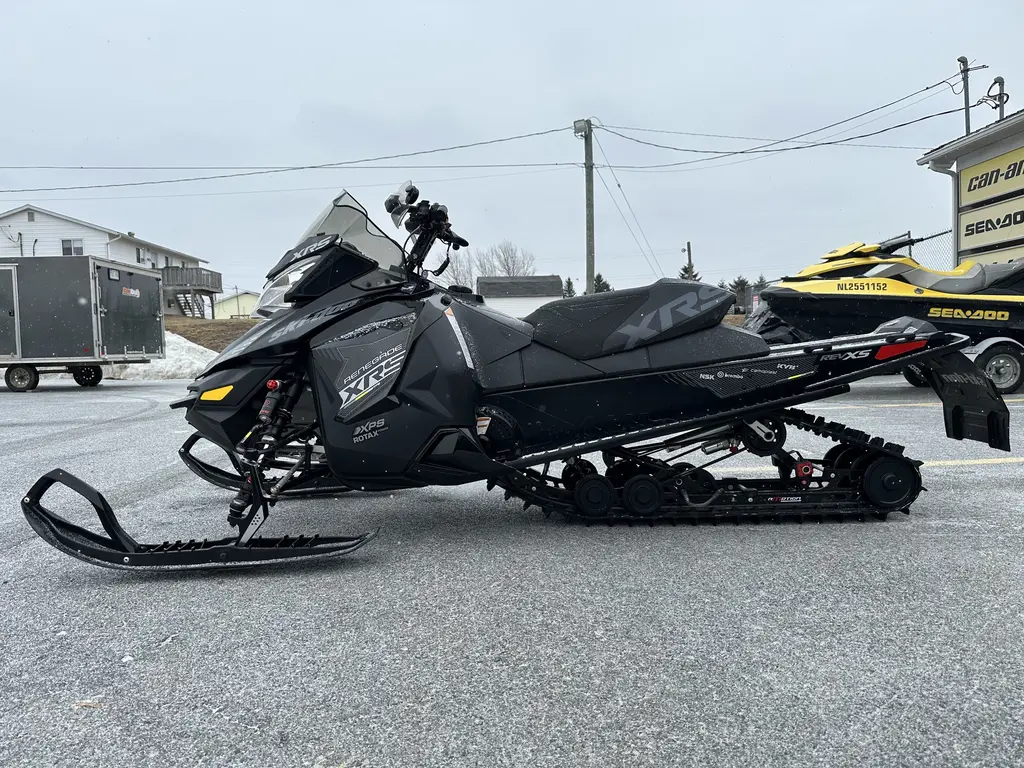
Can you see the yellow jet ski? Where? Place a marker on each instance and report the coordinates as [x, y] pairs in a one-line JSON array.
[[859, 286]]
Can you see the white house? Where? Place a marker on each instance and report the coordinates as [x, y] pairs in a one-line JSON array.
[[519, 296], [31, 231]]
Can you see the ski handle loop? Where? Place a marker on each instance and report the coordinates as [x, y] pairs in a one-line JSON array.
[[118, 537]]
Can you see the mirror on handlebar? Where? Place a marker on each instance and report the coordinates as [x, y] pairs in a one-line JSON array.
[[398, 204]]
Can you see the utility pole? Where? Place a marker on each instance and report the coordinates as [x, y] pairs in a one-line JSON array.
[[585, 130], [689, 258], [964, 70]]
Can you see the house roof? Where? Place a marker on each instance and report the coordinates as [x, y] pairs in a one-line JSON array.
[[122, 235], [230, 296], [945, 155], [517, 287]]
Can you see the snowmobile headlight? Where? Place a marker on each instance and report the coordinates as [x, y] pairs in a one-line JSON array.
[[272, 298]]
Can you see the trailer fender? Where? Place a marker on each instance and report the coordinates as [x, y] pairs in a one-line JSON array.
[[974, 350]]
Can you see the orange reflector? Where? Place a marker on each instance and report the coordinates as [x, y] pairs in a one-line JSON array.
[[895, 350]]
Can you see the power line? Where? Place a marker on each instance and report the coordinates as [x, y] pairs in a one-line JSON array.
[[755, 138], [340, 164], [624, 219], [799, 135], [628, 204], [760, 151], [300, 189]]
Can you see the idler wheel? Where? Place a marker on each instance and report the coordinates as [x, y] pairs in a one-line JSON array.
[[572, 473], [594, 495], [891, 483], [642, 495]]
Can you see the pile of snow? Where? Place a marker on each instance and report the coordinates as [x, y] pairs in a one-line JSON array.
[[183, 360]]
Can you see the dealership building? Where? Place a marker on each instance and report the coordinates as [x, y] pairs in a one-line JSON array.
[[987, 172]]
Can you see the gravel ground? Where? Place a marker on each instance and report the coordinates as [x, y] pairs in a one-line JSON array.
[[470, 633]]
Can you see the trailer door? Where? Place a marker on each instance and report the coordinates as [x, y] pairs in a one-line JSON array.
[[130, 311], [10, 332]]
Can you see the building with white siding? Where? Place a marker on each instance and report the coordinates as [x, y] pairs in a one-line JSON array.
[[188, 287], [519, 296]]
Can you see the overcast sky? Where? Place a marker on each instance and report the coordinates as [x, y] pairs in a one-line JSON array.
[[267, 83]]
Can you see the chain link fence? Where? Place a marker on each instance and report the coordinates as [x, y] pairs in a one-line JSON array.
[[935, 251]]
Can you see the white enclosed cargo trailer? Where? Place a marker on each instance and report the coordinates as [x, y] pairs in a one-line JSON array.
[[76, 314]]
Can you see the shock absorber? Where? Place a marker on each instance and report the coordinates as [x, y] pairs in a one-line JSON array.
[[274, 416]]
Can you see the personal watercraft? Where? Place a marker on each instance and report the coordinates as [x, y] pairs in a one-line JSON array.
[[858, 286], [365, 374]]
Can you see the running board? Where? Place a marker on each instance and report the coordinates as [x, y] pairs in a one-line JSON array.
[[119, 550]]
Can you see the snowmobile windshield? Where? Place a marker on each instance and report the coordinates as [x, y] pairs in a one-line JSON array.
[[346, 217]]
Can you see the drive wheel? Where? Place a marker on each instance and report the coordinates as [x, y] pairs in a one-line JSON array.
[[844, 461], [21, 378], [576, 471], [891, 483], [1004, 365], [594, 495], [642, 495], [87, 375], [763, 437], [914, 376]]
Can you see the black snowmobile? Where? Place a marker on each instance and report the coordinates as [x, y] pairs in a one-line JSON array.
[[367, 375]]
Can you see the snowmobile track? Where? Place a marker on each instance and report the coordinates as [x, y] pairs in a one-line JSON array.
[[835, 496]]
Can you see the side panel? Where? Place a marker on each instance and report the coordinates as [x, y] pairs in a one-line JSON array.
[[10, 334], [55, 308], [130, 314], [384, 391]]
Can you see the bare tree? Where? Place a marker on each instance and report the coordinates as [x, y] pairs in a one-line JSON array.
[[505, 259], [461, 269]]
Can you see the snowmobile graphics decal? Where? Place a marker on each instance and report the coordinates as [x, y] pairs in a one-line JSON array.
[[458, 335], [859, 354], [369, 430], [968, 314], [727, 381], [371, 375], [688, 305]]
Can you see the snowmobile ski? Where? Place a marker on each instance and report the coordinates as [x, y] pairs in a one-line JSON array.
[[119, 550]]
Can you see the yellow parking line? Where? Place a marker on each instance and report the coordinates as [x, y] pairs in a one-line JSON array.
[[936, 463], [1007, 400]]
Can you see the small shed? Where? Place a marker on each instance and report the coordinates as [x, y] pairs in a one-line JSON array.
[[521, 295], [235, 305]]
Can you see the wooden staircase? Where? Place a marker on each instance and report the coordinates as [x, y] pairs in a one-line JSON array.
[[191, 305]]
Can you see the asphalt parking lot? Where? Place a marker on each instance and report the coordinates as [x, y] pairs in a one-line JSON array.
[[471, 633]]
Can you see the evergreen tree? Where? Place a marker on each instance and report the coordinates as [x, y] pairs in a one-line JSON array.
[[723, 285], [740, 286], [600, 284], [568, 290], [759, 285], [689, 272]]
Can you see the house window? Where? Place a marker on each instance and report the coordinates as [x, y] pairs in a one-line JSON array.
[[138, 255], [71, 247], [31, 215]]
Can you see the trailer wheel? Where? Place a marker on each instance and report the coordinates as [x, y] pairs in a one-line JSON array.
[[1004, 365], [21, 378], [913, 376], [87, 375]]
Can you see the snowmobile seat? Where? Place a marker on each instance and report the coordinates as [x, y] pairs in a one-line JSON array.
[[599, 324]]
